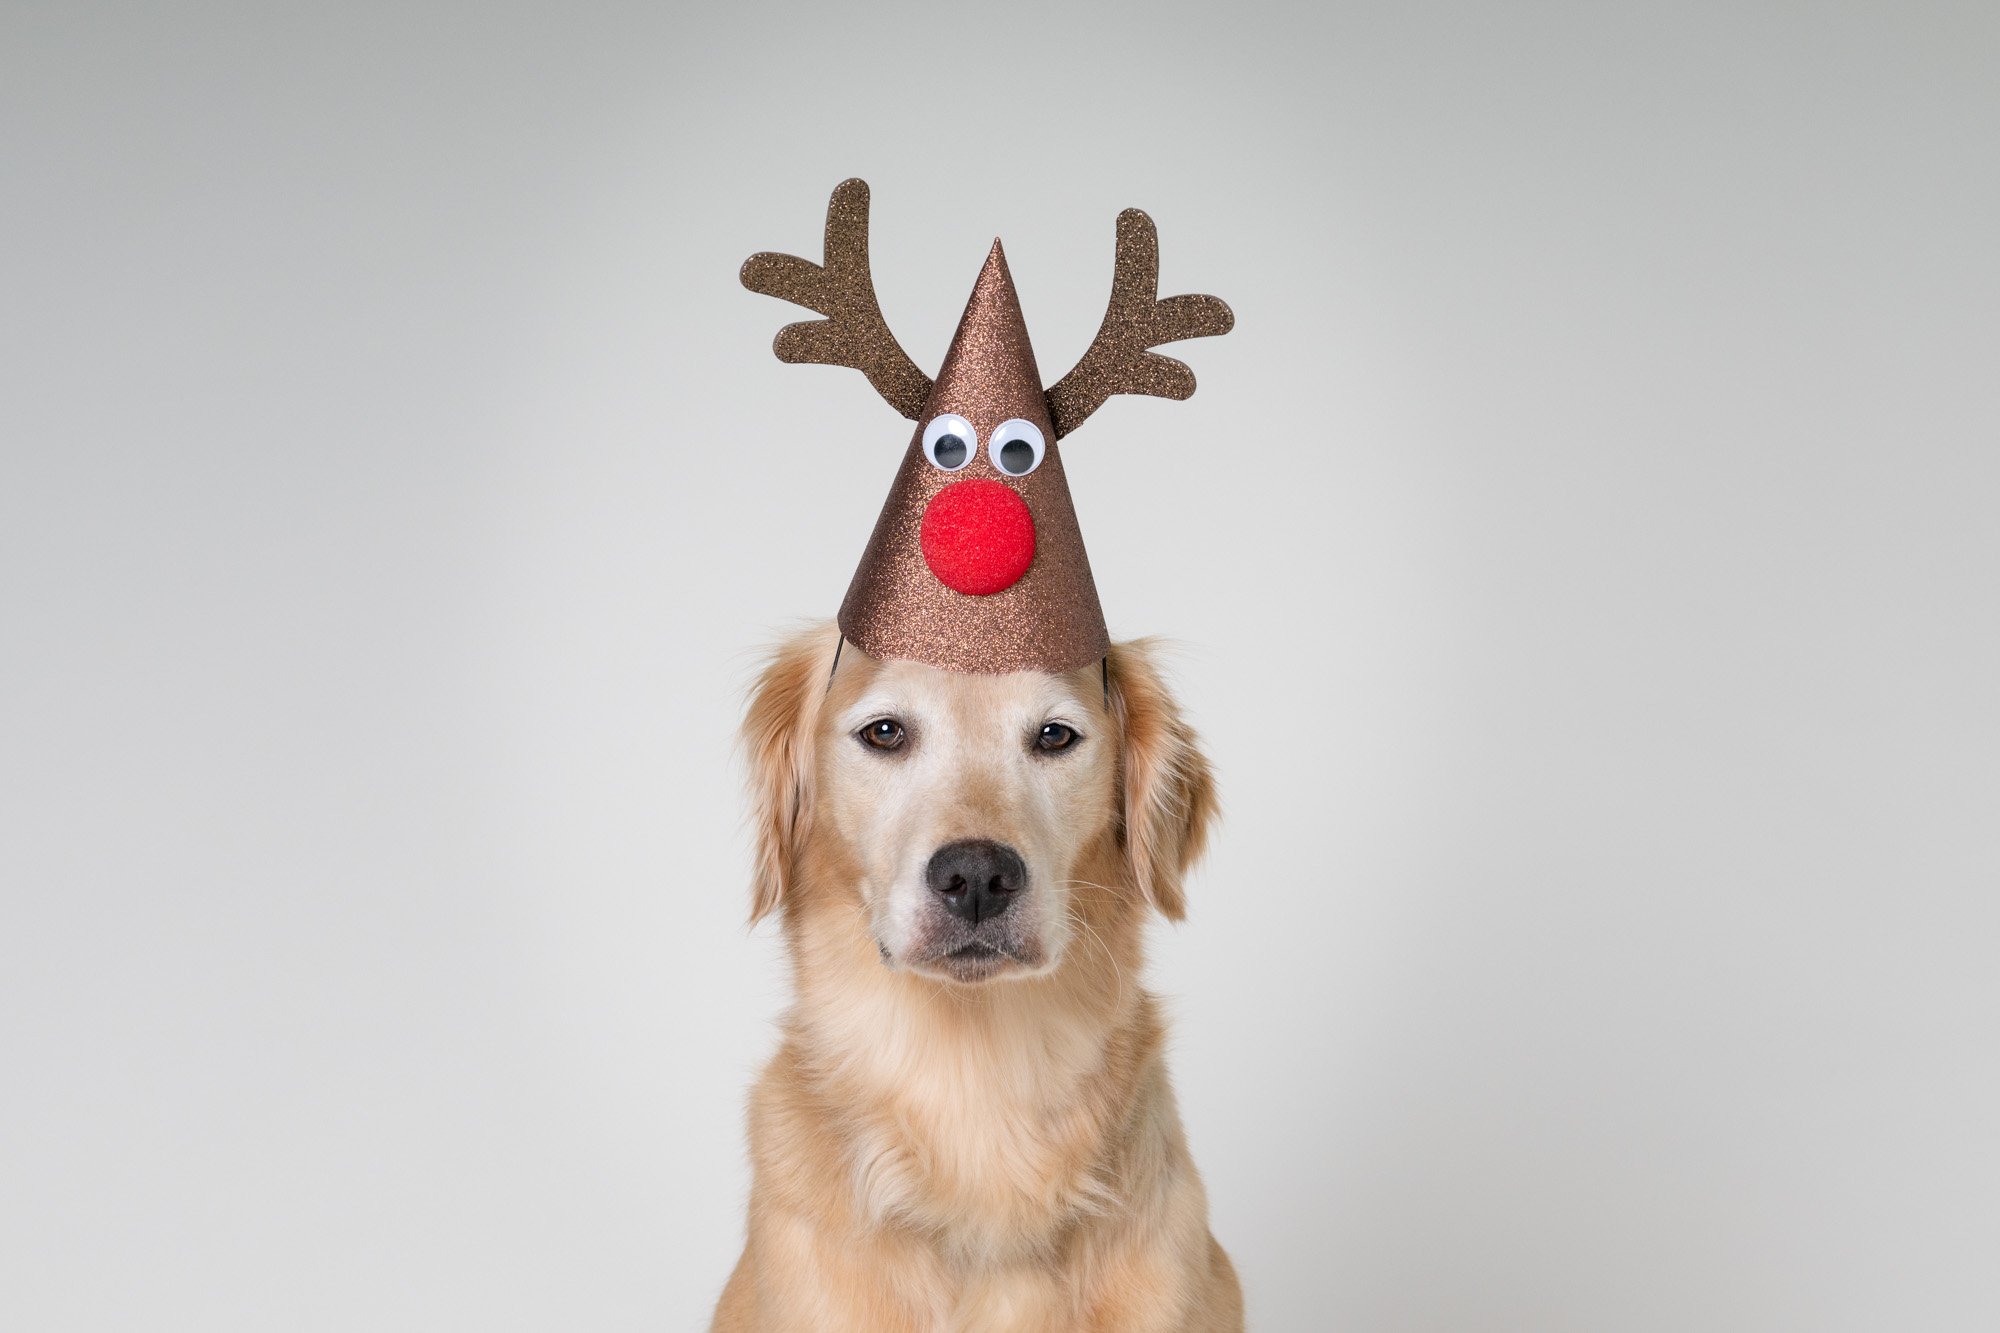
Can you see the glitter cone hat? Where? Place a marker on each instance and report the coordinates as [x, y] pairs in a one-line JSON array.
[[976, 562]]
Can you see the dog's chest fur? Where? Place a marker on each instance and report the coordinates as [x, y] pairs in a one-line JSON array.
[[984, 1126]]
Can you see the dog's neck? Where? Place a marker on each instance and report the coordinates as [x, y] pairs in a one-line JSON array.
[[985, 1109]]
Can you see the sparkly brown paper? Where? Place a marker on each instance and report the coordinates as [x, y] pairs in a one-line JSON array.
[[897, 606], [1137, 319], [854, 333], [1050, 619]]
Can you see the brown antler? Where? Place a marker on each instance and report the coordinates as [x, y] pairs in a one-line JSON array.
[[1118, 360], [854, 333]]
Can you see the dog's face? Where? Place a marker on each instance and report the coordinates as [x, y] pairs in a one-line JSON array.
[[970, 817], [967, 802]]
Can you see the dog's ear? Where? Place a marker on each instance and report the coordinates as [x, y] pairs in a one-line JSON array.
[[1169, 792], [778, 734]]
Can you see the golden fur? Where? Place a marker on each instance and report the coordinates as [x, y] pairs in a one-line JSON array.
[[934, 1155]]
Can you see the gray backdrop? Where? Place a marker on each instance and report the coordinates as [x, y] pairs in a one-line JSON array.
[[1583, 551]]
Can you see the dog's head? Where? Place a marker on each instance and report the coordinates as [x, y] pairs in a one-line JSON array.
[[975, 822]]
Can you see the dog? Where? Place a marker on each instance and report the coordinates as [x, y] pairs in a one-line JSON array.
[[968, 1126]]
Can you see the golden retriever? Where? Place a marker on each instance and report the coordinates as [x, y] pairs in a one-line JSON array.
[[968, 1127]]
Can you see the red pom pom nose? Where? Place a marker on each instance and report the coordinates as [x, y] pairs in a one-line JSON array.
[[978, 536]]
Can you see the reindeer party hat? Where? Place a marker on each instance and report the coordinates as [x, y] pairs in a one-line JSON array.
[[976, 563]]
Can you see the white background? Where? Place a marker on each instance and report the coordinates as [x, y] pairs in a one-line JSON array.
[[1584, 551]]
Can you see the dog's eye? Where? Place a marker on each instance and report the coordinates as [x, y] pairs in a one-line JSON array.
[[884, 733], [1016, 448], [949, 442], [1056, 736]]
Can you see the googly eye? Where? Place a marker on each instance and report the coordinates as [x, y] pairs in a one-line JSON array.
[[949, 442], [1016, 448]]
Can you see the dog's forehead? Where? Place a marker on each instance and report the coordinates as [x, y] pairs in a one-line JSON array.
[[915, 688]]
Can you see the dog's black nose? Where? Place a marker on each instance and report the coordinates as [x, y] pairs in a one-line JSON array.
[[976, 877]]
